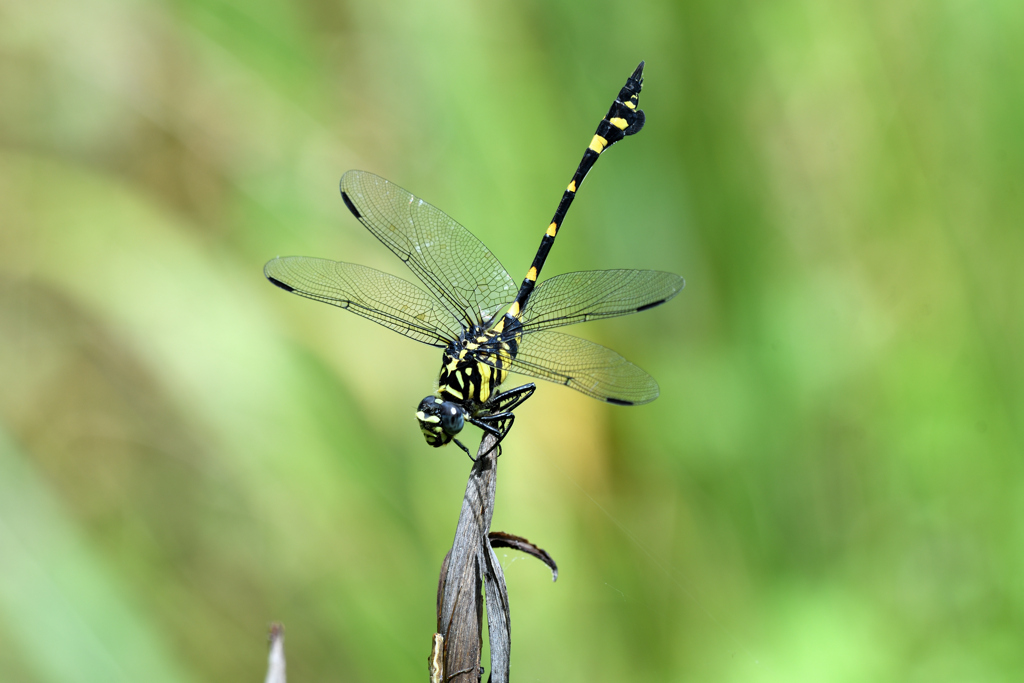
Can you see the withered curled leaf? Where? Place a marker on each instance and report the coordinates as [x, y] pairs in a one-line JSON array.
[[500, 539]]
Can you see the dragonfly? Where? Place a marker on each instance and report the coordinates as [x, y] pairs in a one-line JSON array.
[[470, 306]]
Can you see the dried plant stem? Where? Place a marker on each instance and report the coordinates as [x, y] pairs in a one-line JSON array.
[[468, 564]]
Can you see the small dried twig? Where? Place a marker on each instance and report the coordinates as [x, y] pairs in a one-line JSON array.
[[275, 660]]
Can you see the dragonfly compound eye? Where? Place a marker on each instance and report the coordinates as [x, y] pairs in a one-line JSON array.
[[451, 418]]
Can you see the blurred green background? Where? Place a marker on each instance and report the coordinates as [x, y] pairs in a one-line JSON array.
[[829, 488]]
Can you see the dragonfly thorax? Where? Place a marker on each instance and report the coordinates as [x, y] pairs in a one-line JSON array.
[[474, 365]]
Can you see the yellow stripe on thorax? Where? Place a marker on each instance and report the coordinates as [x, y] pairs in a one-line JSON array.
[[485, 382]]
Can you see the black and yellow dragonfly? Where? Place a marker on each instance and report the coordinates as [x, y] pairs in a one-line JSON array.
[[471, 307]]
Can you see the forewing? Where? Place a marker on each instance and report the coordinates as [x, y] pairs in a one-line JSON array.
[[391, 301], [583, 365], [593, 294], [456, 267]]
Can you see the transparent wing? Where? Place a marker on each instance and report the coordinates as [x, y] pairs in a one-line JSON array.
[[391, 301], [456, 267], [593, 294], [583, 365]]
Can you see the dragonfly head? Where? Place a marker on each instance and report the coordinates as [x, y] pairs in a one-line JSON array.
[[440, 420]]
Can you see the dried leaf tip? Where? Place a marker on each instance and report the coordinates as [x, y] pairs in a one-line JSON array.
[[275, 660]]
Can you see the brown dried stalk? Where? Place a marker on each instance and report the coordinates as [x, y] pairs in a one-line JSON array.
[[470, 563]]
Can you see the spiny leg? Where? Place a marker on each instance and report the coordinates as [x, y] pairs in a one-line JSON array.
[[503, 424], [622, 119], [498, 421], [510, 400], [466, 450], [497, 444]]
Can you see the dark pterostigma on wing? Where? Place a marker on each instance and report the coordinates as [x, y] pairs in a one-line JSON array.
[[383, 298], [456, 268], [577, 297]]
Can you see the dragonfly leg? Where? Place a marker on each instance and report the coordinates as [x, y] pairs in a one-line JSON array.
[[500, 418], [497, 424], [466, 450], [508, 401]]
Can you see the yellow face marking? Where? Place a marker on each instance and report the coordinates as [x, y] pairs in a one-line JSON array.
[[435, 662], [598, 144], [552, 229], [422, 417], [572, 186], [631, 104], [619, 123], [532, 274], [514, 310]]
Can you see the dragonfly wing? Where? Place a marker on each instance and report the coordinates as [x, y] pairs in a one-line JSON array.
[[456, 267], [391, 301], [594, 294], [583, 365]]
